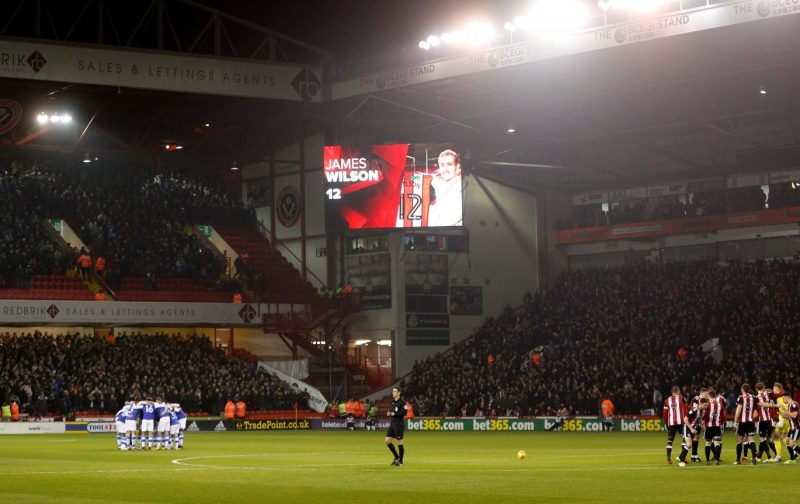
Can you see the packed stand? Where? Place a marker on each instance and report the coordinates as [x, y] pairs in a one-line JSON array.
[[25, 248], [70, 372], [631, 333], [125, 212]]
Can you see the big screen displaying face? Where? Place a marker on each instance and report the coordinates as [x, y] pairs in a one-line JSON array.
[[393, 186]]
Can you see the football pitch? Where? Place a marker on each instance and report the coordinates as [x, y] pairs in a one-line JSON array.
[[355, 467]]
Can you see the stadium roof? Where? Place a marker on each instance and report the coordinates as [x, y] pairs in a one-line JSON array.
[[684, 107]]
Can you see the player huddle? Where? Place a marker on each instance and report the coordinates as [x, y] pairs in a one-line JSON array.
[[159, 425], [770, 415]]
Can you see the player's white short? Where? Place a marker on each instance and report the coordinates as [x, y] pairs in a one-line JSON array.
[[163, 424], [147, 426], [174, 429], [121, 428], [182, 423], [130, 425]]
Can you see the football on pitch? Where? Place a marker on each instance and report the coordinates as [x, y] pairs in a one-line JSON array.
[[521, 454]]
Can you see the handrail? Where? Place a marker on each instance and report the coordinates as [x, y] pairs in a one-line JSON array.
[[275, 239]]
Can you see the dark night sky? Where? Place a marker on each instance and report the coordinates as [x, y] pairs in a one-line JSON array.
[[351, 27]]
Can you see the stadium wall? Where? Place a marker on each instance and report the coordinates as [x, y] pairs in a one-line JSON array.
[[503, 260]]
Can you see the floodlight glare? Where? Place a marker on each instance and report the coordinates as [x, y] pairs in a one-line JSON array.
[[447, 38], [433, 40], [510, 26], [555, 18], [66, 118], [478, 33], [424, 45], [87, 158], [42, 118]]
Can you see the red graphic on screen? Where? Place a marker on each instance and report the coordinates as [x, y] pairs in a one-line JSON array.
[[364, 184]]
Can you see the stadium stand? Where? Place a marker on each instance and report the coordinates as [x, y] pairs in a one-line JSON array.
[[631, 332], [68, 373]]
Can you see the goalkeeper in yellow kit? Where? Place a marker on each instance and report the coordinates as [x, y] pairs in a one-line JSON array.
[[781, 425]]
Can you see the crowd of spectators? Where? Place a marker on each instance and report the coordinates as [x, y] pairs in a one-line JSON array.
[[629, 333], [61, 374], [742, 199], [25, 248], [124, 211]]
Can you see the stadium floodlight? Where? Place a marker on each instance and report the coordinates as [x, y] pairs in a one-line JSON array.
[[424, 45], [234, 166], [631, 5], [361, 342], [87, 158], [42, 118], [447, 38], [511, 129], [554, 18], [385, 342], [478, 33], [510, 26], [763, 90], [433, 40]]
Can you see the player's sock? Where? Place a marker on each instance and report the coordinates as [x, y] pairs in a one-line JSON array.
[[793, 452], [771, 446], [708, 453], [718, 451], [684, 451], [669, 452], [402, 450], [142, 440], [762, 445], [394, 452], [753, 448], [739, 452], [695, 444], [180, 439]]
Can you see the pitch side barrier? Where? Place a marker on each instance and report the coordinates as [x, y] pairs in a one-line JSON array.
[[533, 424]]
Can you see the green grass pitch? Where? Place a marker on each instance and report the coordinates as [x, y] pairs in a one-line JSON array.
[[338, 467]]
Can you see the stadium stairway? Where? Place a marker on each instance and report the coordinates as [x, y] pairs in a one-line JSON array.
[[282, 282]]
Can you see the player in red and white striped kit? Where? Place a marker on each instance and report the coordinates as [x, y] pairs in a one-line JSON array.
[[766, 420], [745, 422], [674, 412], [714, 425], [691, 426], [696, 438]]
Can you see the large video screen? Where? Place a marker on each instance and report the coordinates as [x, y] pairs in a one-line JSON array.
[[393, 186]]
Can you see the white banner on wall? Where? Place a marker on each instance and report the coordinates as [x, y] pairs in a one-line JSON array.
[[32, 428], [297, 369], [92, 312], [316, 400], [678, 23], [158, 70]]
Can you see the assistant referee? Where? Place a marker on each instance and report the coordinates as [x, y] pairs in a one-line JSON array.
[[397, 413]]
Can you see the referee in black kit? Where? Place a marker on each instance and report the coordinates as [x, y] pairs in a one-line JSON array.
[[397, 412]]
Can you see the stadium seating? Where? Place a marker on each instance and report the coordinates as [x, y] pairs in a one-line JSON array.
[[69, 373], [631, 333]]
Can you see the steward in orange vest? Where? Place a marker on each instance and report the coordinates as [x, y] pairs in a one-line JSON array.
[[230, 410], [14, 412], [409, 410], [241, 409]]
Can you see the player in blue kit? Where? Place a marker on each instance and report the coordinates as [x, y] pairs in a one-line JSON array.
[[133, 417], [162, 423], [148, 423], [181, 423], [174, 429], [121, 418]]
